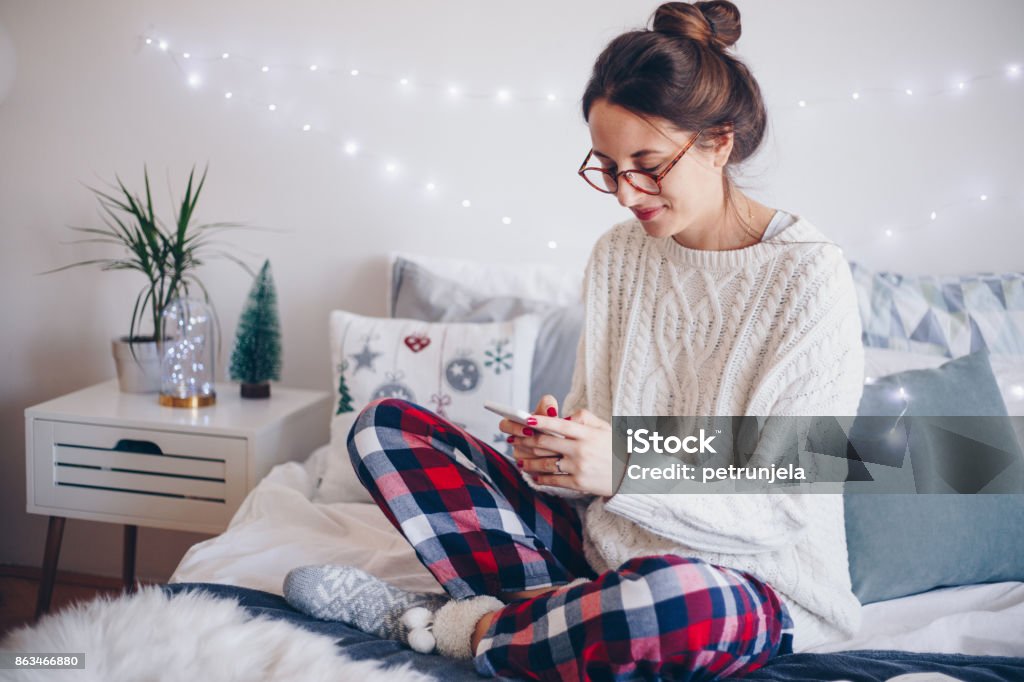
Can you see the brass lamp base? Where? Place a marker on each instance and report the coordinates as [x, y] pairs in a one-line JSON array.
[[192, 401]]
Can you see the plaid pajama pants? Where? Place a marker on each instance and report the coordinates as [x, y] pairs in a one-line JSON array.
[[480, 529]]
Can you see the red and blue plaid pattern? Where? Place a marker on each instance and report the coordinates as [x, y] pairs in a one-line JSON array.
[[463, 506], [656, 617], [480, 529]]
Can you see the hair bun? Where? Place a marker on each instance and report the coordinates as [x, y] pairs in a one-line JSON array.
[[714, 24]]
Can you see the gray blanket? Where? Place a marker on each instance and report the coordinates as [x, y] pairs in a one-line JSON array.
[[856, 666]]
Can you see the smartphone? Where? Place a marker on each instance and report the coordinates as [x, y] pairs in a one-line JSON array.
[[517, 416]]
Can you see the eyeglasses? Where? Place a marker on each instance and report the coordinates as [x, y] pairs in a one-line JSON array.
[[605, 181]]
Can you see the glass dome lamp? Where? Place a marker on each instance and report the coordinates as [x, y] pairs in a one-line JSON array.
[[187, 354]]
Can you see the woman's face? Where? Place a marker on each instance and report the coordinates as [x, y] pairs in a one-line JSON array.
[[691, 193]]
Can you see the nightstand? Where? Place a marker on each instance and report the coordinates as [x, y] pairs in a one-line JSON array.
[[103, 455]]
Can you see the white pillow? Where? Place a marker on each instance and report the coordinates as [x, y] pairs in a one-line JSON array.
[[450, 368], [539, 281], [1008, 370]]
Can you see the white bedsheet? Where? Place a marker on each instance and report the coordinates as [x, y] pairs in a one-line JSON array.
[[277, 527]]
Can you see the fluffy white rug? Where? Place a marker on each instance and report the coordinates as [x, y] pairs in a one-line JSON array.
[[191, 637]]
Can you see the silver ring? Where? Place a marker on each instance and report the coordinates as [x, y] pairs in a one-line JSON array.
[[558, 467]]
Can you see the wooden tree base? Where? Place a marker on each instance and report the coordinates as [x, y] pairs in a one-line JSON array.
[[256, 390]]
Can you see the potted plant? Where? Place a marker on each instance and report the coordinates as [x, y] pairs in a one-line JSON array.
[[167, 257]]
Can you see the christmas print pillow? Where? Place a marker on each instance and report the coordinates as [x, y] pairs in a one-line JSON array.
[[449, 368]]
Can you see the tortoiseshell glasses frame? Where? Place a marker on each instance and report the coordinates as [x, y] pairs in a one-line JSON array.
[[611, 181]]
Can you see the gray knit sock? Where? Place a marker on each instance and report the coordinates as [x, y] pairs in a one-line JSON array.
[[353, 596]]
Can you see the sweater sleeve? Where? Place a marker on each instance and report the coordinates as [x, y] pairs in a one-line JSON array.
[[818, 366], [818, 370]]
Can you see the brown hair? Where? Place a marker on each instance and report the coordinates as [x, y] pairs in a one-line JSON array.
[[679, 71]]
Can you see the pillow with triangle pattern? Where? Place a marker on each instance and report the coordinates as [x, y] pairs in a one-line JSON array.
[[945, 315]]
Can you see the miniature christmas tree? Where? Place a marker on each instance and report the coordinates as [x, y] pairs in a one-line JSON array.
[[344, 397], [256, 358]]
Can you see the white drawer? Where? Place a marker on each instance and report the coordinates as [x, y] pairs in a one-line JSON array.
[[137, 476]]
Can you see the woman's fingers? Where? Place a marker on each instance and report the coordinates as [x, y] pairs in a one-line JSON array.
[[548, 465], [565, 427], [552, 445], [587, 418], [510, 427], [556, 480], [548, 406], [533, 453], [526, 452], [514, 429]]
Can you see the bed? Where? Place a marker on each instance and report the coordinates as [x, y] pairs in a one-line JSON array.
[[969, 632], [279, 527], [966, 624]]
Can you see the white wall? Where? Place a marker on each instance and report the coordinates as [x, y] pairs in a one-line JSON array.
[[82, 98]]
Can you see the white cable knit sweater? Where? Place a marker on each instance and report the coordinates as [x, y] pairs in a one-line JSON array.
[[771, 329]]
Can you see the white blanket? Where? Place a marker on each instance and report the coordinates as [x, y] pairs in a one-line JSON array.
[[277, 528], [186, 637]]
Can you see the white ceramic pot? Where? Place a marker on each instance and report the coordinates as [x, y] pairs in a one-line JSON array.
[[140, 374]]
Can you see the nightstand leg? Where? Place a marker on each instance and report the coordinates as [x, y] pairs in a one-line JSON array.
[[54, 535], [128, 561]]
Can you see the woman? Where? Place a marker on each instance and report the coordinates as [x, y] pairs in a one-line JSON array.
[[698, 307]]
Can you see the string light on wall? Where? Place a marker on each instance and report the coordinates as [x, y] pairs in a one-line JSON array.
[[391, 167], [504, 95], [1011, 72], [949, 208]]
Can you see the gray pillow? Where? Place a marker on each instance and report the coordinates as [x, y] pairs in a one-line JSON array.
[[419, 294], [902, 544]]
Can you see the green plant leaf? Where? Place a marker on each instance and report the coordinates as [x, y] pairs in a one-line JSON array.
[[75, 265], [93, 230], [113, 200], [140, 302], [149, 228], [242, 225], [149, 197], [166, 255], [97, 240], [245, 267]]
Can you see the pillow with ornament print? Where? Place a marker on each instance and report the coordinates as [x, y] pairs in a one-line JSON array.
[[449, 368]]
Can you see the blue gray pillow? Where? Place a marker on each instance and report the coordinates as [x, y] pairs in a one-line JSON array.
[[902, 544], [419, 294]]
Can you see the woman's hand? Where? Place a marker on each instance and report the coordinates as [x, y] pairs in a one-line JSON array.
[[584, 455]]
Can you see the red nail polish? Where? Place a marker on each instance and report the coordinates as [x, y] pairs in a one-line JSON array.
[[511, 439], [519, 463], [552, 411], [568, 417], [527, 431], [532, 421]]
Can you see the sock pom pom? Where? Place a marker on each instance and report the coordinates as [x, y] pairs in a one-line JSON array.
[[417, 617], [422, 640]]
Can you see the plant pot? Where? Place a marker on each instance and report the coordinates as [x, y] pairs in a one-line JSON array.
[[140, 374], [260, 390]]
